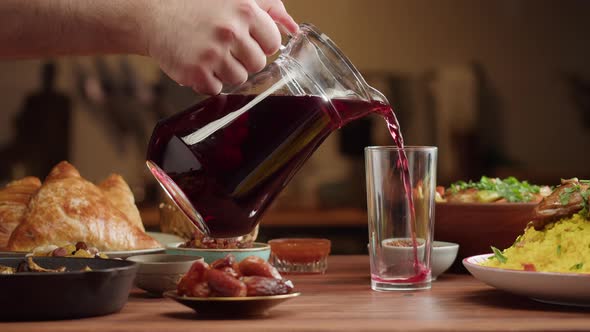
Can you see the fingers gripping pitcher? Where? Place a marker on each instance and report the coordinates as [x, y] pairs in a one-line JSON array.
[[224, 160]]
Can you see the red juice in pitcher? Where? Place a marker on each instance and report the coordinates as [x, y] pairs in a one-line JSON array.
[[232, 173]]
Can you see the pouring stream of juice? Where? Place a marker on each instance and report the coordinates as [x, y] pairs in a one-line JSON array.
[[420, 271]]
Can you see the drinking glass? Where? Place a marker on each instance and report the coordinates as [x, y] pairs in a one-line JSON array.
[[401, 185]]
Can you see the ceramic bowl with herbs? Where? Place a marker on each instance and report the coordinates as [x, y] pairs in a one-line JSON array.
[[210, 255], [479, 214]]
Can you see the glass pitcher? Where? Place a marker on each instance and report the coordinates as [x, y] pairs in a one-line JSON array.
[[224, 160]]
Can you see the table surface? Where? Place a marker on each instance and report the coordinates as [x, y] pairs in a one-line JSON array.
[[342, 300]]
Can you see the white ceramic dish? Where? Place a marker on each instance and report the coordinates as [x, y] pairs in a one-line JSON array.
[[111, 254], [399, 259], [158, 273], [128, 253], [163, 238], [443, 256], [395, 254], [555, 288]]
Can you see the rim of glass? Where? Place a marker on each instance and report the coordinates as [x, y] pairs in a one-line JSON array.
[[405, 148]]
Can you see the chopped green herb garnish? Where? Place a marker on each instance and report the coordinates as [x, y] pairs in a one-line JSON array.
[[509, 188], [585, 195], [559, 250], [577, 266], [564, 198], [498, 255]]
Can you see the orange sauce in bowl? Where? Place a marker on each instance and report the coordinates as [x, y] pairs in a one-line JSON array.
[[300, 250]]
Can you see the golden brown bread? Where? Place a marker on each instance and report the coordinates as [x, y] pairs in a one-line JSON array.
[[13, 204], [120, 195], [67, 209]]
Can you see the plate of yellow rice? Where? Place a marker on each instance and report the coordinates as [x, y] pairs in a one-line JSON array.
[[550, 265]]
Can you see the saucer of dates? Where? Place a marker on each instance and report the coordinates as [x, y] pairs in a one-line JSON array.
[[228, 288]]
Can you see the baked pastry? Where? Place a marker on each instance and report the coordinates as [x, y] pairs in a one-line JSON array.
[[14, 199], [120, 195], [67, 209]]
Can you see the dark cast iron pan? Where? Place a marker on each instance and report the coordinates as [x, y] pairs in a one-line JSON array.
[[72, 294]]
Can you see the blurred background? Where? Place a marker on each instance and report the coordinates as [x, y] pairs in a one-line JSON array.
[[501, 87]]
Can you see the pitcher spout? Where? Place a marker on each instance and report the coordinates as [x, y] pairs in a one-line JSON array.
[[317, 56], [376, 95]]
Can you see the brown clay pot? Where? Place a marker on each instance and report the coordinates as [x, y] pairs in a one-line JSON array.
[[477, 226]]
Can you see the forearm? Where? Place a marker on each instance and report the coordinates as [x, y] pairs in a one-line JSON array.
[[34, 28]]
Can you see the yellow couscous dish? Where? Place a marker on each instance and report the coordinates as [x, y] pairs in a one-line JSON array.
[[561, 246]]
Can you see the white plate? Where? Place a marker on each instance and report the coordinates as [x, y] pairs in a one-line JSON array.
[[129, 253], [548, 287], [111, 254], [165, 238]]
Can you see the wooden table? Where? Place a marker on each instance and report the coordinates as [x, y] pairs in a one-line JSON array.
[[341, 300]]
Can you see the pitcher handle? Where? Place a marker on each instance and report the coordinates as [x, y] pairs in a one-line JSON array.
[[285, 32]]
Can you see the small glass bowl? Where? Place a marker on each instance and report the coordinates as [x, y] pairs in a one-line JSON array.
[[300, 255]]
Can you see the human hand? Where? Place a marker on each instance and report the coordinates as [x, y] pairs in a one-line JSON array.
[[206, 43]]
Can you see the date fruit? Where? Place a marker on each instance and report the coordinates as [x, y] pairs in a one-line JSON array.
[[228, 264], [261, 286], [256, 266], [194, 283], [228, 260], [231, 271], [223, 284], [226, 278], [191, 287], [198, 271]]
